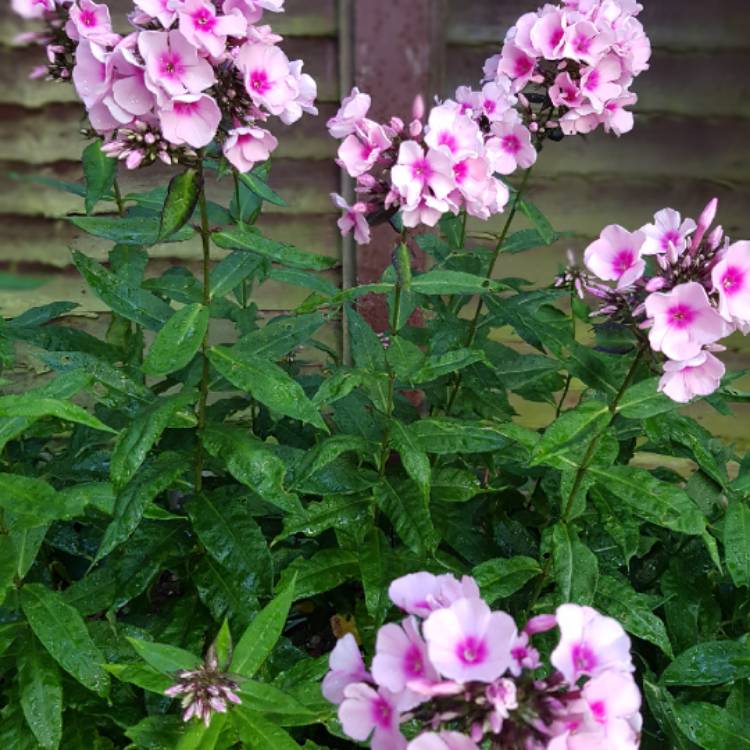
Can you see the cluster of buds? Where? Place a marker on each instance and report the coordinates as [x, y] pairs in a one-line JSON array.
[[465, 677], [427, 169], [577, 61], [205, 690], [190, 73], [688, 285]]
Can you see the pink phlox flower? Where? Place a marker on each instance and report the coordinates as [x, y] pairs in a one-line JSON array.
[[353, 110], [543, 623], [173, 67], [731, 279], [699, 376], [268, 76], [442, 741], [548, 34], [468, 642], [510, 147], [31, 9], [436, 689], [683, 321], [517, 65], [668, 229], [417, 172], [565, 92], [367, 714], [359, 152], [162, 10], [130, 95], [524, 655], [616, 118], [400, 657], [584, 42], [705, 220], [253, 9], [307, 91], [590, 644], [453, 133], [89, 20], [502, 695], [191, 119], [354, 218], [422, 593], [428, 210], [248, 145], [599, 83], [260, 34], [496, 100], [346, 667], [616, 255], [92, 76], [207, 31], [491, 68]]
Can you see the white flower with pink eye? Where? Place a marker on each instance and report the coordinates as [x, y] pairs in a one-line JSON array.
[[354, 218], [615, 117], [613, 700], [616, 255], [731, 279], [190, 120], [32, 8], [428, 210], [365, 713], [548, 33], [173, 67], [205, 29], [599, 83], [699, 376], [584, 42], [468, 642], [129, 92], [442, 741], [248, 145], [358, 153], [346, 667], [453, 133], [307, 91], [684, 321], [565, 92], [92, 76], [517, 65], [667, 230], [417, 172], [401, 657], [268, 76], [496, 99], [353, 110], [524, 655], [89, 20], [422, 593], [161, 10], [590, 644], [510, 148]]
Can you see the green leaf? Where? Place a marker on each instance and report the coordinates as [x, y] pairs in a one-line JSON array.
[[162, 657], [130, 230], [182, 198], [616, 598], [25, 543], [132, 500], [232, 271], [257, 733], [500, 578], [538, 219], [575, 566], [408, 511], [376, 566], [130, 302], [8, 565], [41, 693], [367, 349], [280, 336], [259, 186], [737, 542], [32, 406], [710, 663], [33, 501], [446, 364], [711, 727], [156, 732], [258, 641], [326, 452], [444, 435], [38, 316], [63, 633], [455, 485], [267, 383], [526, 239], [440, 282], [250, 239], [141, 435], [652, 500], [198, 736], [228, 531], [178, 341], [99, 171], [344, 512], [644, 400], [324, 571], [251, 462], [415, 461], [142, 675]]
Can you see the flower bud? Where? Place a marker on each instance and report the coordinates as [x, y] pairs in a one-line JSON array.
[[655, 284]]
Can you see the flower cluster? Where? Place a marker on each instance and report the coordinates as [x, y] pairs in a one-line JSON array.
[[191, 72], [462, 674], [427, 169], [579, 59], [693, 293]]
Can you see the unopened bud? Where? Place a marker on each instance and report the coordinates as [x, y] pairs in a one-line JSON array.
[[417, 108], [655, 284], [704, 222]]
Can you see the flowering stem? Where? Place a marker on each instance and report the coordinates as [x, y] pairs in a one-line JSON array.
[[205, 231], [493, 262], [118, 197], [236, 179]]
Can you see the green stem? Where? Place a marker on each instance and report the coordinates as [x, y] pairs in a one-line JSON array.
[[474, 325], [118, 198], [205, 232], [236, 179]]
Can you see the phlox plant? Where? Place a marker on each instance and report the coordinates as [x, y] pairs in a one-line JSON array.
[[218, 531]]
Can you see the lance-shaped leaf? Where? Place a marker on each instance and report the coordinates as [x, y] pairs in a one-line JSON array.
[[164, 657], [130, 230], [258, 733], [644, 400], [443, 435], [439, 282], [280, 336], [32, 406], [378, 567], [500, 578], [709, 663], [63, 633], [182, 198], [232, 271], [408, 511], [255, 182], [575, 566], [324, 571], [538, 219], [267, 383], [99, 171], [178, 341], [711, 727], [737, 542], [33, 501], [414, 459]]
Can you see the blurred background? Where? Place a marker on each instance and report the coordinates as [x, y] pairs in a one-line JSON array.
[[690, 141]]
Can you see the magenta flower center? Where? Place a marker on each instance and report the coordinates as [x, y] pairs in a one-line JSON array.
[[88, 18], [472, 651], [448, 139], [599, 710], [185, 109], [421, 170], [670, 236], [414, 661], [592, 82], [582, 44], [623, 260], [203, 20], [522, 66], [584, 659], [511, 144], [519, 653], [382, 713], [171, 65], [680, 316], [259, 82], [460, 171], [733, 280], [556, 37], [490, 106]]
